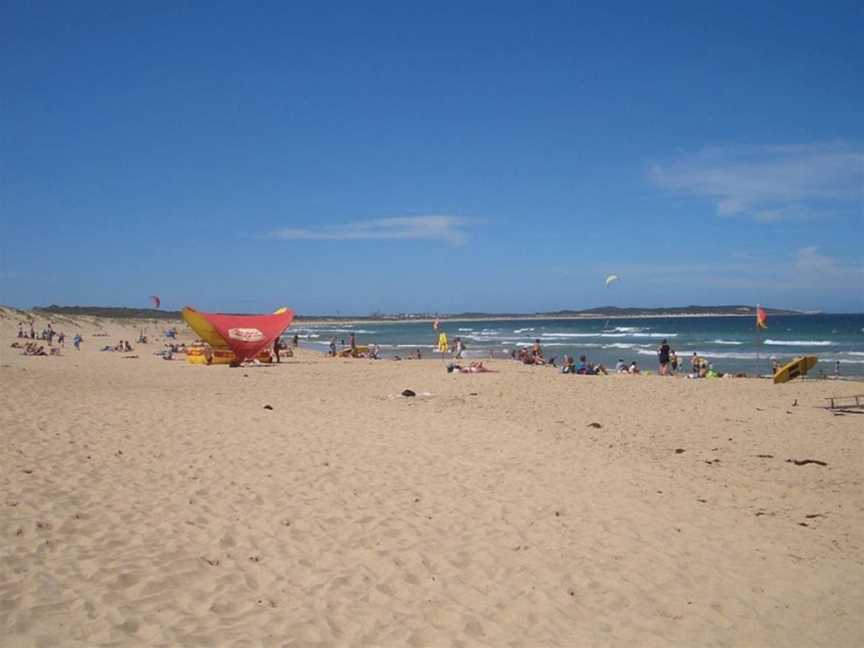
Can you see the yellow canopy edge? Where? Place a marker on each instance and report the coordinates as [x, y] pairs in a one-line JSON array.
[[203, 328]]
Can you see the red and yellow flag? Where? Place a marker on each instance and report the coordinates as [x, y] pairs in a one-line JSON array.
[[761, 318]]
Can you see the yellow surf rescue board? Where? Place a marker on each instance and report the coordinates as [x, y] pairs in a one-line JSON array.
[[798, 367]]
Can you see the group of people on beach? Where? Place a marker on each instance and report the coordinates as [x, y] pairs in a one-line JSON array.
[[47, 334], [27, 331], [122, 346], [668, 363]]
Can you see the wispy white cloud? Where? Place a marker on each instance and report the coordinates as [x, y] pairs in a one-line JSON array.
[[769, 183], [811, 261], [430, 228]]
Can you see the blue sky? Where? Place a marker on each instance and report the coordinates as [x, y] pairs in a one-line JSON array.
[[356, 157]]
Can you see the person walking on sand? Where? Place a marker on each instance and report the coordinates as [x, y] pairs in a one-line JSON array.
[[663, 356]]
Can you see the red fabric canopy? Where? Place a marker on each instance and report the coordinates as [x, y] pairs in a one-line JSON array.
[[246, 335]]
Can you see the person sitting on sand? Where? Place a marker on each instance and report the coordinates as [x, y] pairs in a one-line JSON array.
[[568, 366], [537, 353], [32, 349], [599, 369], [127, 347], [621, 366], [584, 369], [634, 368]]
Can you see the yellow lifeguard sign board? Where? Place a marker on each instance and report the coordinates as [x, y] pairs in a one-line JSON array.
[[798, 367], [443, 347]]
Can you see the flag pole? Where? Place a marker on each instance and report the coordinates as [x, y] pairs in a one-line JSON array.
[[761, 318]]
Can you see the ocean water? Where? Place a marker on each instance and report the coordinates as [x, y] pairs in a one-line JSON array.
[[731, 344]]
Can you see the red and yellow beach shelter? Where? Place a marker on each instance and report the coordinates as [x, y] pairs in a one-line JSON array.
[[244, 335]]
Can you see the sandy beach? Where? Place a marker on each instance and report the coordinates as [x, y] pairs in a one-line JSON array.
[[156, 503]]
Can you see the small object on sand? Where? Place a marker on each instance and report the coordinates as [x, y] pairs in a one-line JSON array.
[[804, 462], [595, 425], [795, 403], [268, 407], [765, 456], [408, 393], [679, 450]]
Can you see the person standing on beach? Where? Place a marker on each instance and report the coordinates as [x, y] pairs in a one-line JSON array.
[[673, 361], [460, 347], [663, 355], [333, 346], [277, 345], [352, 342], [296, 340]]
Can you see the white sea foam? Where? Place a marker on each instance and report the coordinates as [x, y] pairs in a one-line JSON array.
[[727, 342], [798, 342], [655, 335], [567, 335], [856, 353], [465, 329]]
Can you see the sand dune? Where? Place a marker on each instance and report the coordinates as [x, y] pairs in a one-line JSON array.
[[148, 502]]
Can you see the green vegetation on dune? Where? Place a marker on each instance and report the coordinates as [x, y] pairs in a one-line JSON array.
[[108, 311]]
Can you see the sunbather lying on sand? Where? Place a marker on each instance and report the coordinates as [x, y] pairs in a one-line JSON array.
[[474, 367]]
